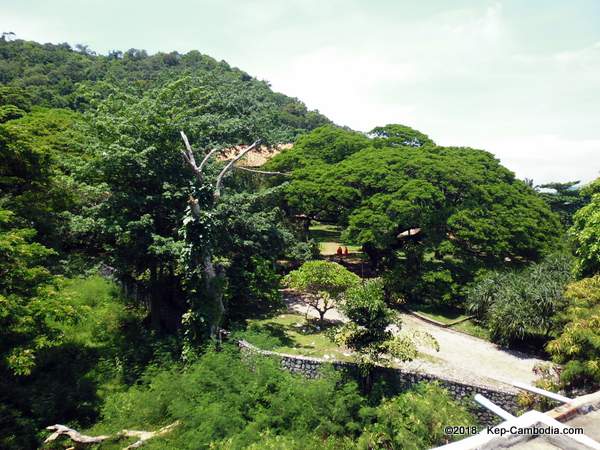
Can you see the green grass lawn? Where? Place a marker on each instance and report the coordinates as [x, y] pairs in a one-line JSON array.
[[439, 313], [293, 334], [449, 315], [473, 328], [329, 239]]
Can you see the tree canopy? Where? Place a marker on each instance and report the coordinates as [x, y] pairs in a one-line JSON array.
[[577, 347], [434, 214], [586, 234]]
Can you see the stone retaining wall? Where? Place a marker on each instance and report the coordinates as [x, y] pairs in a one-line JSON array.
[[505, 397]]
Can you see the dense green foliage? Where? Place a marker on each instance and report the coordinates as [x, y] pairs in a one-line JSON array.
[[90, 172], [578, 345], [226, 402], [96, 345], [412, 421], [92, 180], [517, 306], [60, 77], [586, 233], [38, 152], [433, 215], [140, 224], [26, 298], [368, 331]]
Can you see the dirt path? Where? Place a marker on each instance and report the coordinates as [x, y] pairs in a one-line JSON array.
[[460, 356]]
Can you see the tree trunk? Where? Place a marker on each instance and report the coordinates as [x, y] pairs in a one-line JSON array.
[[306, 228], [321, 318], [367, 382], [154, 300], [212, 285], [214, 292]]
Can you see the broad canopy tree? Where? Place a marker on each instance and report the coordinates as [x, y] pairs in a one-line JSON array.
[[564, 199], [435, 215]]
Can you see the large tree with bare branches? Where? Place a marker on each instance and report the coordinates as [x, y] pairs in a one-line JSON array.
[[205, 281], [145, 190]]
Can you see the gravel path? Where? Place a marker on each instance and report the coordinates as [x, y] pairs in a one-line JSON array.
[[461, 356]]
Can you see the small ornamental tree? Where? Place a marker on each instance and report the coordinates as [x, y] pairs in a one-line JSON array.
[[323, 282], [373, 330]]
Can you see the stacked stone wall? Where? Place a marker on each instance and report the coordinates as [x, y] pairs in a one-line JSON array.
[[503, 396]]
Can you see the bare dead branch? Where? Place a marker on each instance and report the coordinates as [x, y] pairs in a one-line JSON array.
[[75, 436], [207, 157], [228, 167], [81, 440], [143, 436], [188, 156], [264, 172]]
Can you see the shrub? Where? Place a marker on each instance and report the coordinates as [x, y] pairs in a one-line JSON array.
[[577, 347], [586, 234], [414, 420], [517, 306], [227, 402]]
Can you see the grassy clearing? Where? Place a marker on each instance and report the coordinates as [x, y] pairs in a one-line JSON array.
[[444, 315], [449, 315], [328, 237], [473, 328], [293, 334]]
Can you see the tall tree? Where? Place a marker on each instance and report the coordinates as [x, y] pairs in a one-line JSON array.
[[138, 163], [204, 280], [563, 198], [586, 234]]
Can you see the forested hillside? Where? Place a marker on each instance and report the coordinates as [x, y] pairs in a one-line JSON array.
[[132, 258], [57, 76]]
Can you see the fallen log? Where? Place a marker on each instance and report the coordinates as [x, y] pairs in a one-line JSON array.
[[82, 440]]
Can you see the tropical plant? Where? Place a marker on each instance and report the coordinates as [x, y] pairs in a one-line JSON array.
[[586, 236], [414, 420], [577, 347], [516, 306], [372, 331]]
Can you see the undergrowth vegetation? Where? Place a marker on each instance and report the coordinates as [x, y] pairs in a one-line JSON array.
[[223, 401]]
